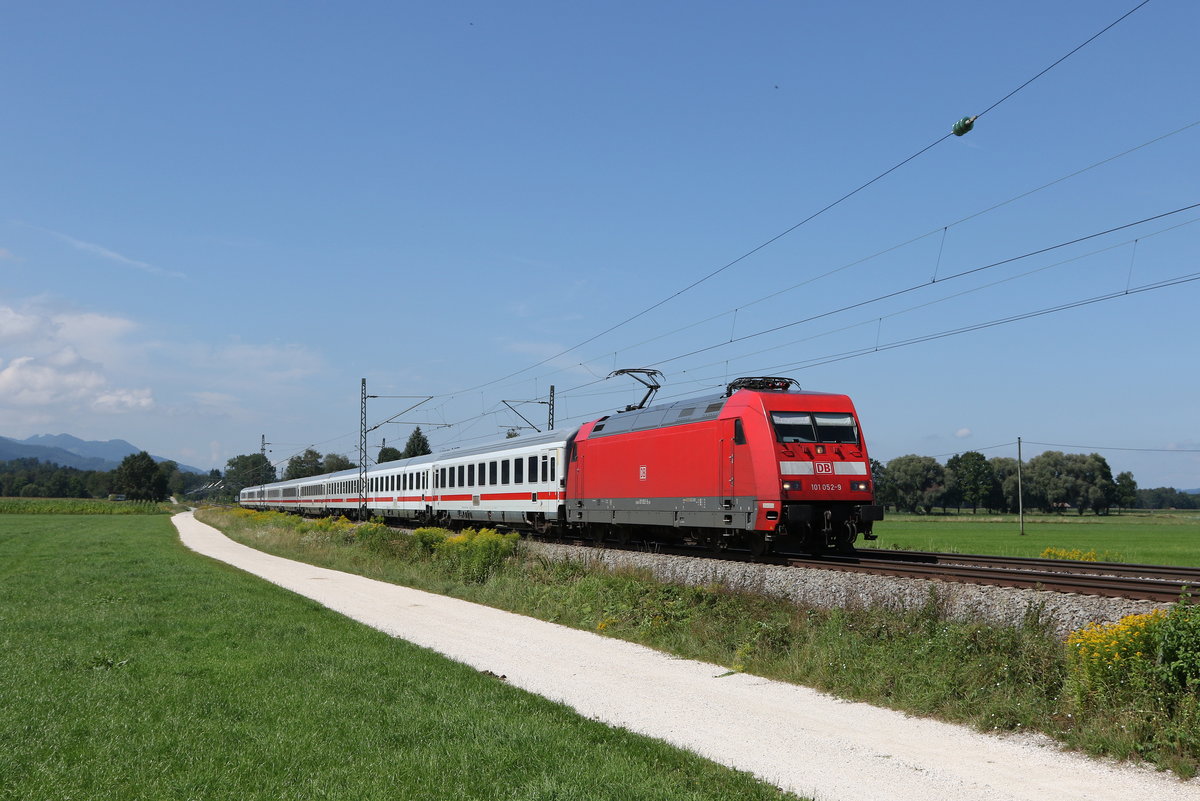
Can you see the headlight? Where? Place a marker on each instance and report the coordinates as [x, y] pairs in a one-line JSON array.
[[791, 485], [860, 486]]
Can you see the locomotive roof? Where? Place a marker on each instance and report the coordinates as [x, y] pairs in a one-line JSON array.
[[675, 413]]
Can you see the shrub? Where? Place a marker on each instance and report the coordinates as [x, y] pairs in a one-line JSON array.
[[474, 556], [1113, 661], [1140, 679], [427, 539], [1078, 555], [1157, 653]]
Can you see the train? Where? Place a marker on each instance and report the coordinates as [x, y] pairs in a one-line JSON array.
[[762, 466]]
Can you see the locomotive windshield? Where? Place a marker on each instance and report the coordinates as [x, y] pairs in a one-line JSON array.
[[824, 427]]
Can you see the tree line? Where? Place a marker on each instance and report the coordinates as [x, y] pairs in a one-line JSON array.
[[1052, 482], [248, 470], [138, 478]]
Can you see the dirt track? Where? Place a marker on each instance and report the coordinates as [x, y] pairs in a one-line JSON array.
[[797, 738]]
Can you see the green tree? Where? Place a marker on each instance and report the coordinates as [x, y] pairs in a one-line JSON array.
[[1127, 490], [138, 478], [248, 470], [389, 454], [417, 445], [885, 494], [1003, 495], [918, 482], [303, 465], [177, 480], [335, 462], [974, 477]]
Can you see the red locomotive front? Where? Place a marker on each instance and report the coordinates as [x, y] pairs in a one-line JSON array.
[[758, 466]]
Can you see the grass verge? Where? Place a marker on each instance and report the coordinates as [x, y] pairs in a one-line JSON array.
[[993, 678], [131, 668]]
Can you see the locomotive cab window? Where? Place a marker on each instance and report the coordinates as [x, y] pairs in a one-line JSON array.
[[836, 428], [826, 427]]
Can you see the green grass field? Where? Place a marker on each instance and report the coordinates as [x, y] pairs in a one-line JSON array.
[[1161, 538], [131, 668]]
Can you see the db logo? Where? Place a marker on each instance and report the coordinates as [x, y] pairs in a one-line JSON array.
[[642, 472], [823, 468]]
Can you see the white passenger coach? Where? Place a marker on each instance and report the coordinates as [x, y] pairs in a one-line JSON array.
[[519, 482]]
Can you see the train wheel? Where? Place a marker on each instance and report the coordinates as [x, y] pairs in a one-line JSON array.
[[759, 546], [845, 540], [622, 534], [713, 541]]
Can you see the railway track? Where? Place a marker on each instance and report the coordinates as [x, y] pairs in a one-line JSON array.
[[1158, 583]]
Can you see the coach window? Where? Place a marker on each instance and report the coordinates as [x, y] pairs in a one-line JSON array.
[[552, 468], [504, 471], [482, 473], [441, 477], [533, 473], [462, 473], [518, 470], [492, 473]]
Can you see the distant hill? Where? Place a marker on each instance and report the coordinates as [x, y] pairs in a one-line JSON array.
[[69, 451]]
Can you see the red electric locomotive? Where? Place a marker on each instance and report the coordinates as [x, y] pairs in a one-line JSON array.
[[762, 465]]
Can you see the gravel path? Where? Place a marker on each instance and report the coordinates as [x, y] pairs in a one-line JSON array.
[[794, 737]]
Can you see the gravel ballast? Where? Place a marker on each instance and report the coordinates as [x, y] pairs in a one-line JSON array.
[[799, 739], [1062, 612]]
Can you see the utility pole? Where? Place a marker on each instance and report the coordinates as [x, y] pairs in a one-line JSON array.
[[263, 450], [550, 422], [362, 455], [362, 440], [1020, 491]]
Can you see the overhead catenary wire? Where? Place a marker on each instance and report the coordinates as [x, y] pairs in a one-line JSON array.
[[923, 284], [807, 219], [716, 381], [828, 273]]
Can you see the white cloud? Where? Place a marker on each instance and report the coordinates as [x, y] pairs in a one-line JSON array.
[[60, 378], [52, 367], [123, 400], [18, 326], [7, 255], [962, 433]]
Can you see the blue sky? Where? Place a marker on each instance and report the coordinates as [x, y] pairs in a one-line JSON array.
[[216, 218]]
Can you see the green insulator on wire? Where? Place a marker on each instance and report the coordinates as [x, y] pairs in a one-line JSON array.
[[963, 126]]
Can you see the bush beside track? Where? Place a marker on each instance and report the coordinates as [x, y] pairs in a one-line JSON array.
[[1008, 678]]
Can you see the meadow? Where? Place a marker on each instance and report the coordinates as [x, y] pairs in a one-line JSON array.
[[1164, 538], [131, 667]]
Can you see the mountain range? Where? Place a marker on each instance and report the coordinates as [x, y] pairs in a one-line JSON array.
[[69, 451]]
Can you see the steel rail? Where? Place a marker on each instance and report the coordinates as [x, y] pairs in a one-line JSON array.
[[1159, 590]]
